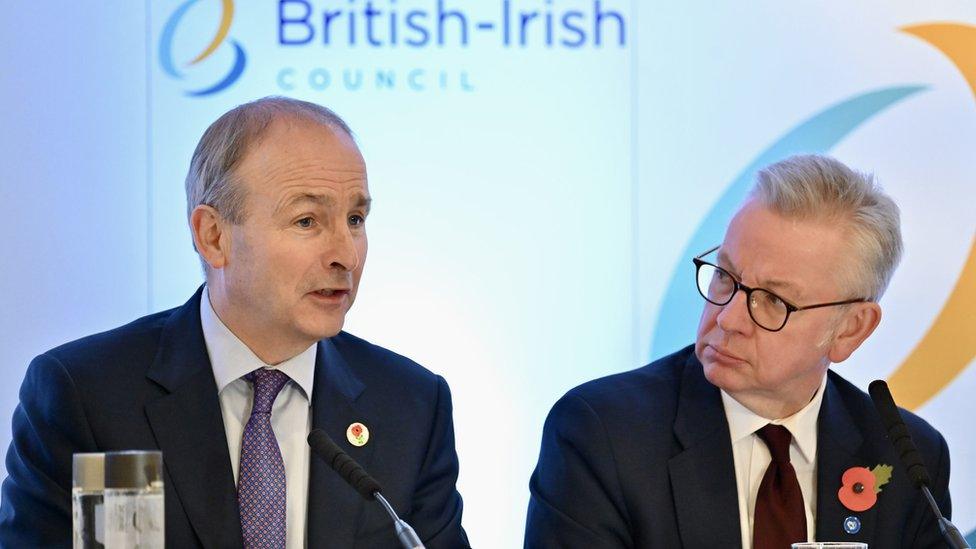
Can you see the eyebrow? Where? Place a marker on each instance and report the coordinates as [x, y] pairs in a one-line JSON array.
[[771, 284], [362, 201]]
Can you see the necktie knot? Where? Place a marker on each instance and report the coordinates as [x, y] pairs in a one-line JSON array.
[[777, 439], [267, 385]]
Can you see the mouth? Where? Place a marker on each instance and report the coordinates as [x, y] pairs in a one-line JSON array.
[[720, 354], [330, 295]]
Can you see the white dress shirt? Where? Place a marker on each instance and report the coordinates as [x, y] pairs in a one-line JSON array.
[[290, 416], [751, 457]]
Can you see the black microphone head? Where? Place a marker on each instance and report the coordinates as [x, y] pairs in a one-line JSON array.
[[324, 447], [898, 433], [881, 395]]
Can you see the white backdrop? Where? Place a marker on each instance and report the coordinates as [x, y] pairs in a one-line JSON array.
[[533, 198]]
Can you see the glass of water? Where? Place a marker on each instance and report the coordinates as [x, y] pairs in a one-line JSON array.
[[134, 511], [87, 491]]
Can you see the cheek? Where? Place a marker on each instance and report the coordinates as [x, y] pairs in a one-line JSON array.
[[272, 267], [362, 247], [707, 320], [779, 356], [240, 262]]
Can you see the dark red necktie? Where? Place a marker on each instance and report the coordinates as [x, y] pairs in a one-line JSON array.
[[780, 519]]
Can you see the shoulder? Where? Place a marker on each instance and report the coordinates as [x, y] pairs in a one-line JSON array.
[[926, 437], [629, 398], [117, 349], [655, 385], [377, 365]]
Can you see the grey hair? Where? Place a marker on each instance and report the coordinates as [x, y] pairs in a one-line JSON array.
[[211, 180], [822, 188]]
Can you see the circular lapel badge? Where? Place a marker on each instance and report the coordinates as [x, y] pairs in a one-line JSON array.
[[357, 434], [852, 525]]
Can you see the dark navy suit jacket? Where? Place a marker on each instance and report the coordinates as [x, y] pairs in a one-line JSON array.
[[644, 459], [149, 385]]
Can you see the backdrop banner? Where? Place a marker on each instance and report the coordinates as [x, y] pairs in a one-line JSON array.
[[543, 171]]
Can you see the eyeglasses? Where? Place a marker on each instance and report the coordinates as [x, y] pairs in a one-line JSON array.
[[768, 310]]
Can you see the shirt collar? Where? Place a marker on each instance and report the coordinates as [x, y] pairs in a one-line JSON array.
[[802, 425], [232, 359]]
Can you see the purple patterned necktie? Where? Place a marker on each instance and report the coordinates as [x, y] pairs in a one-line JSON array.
[[261, 479]]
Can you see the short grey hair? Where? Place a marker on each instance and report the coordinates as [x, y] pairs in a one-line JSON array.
[[818, 187], [211, 180]]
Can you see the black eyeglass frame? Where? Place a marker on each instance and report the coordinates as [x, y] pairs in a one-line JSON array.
[[736, 286]]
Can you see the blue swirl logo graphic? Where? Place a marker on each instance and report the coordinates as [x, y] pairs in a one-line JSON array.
[[166, 48]]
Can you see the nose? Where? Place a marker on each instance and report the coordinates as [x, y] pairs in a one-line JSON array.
[[734, 316], [343, 252]]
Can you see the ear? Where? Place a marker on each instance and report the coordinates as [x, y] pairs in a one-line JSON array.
[[210, 235], [856, 325]]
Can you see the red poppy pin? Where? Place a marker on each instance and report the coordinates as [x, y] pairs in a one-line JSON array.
[[860, 486]]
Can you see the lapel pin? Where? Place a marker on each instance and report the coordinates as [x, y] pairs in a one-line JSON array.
[[357, 434], [860, 487], [852, 525]]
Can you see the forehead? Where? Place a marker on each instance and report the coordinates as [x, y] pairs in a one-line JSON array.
[[298, 156], [764, 247]]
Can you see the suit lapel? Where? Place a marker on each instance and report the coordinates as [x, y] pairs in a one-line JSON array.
[[839, 447], [189, 429], [332, 503], [703, 475]]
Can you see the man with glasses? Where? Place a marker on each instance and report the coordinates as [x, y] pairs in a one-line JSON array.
[[744, 438]]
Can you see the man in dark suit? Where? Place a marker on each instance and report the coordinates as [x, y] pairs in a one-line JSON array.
[[744, 438], [277, 202]]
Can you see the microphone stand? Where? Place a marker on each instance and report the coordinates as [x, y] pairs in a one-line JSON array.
[[901, 439], [408, 538], [353, 473], [949, 531]]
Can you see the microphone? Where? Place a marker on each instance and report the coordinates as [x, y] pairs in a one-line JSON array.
[[901, 439], [353, 473]]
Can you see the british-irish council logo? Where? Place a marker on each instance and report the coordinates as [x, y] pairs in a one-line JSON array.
[[166, 48]]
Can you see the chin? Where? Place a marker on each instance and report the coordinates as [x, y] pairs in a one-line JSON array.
[[710, 374], [331, 331], [323, 329], [721, 376]]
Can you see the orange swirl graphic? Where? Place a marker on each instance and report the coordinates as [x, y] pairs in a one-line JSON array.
[[225, 20], [949, 346]]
